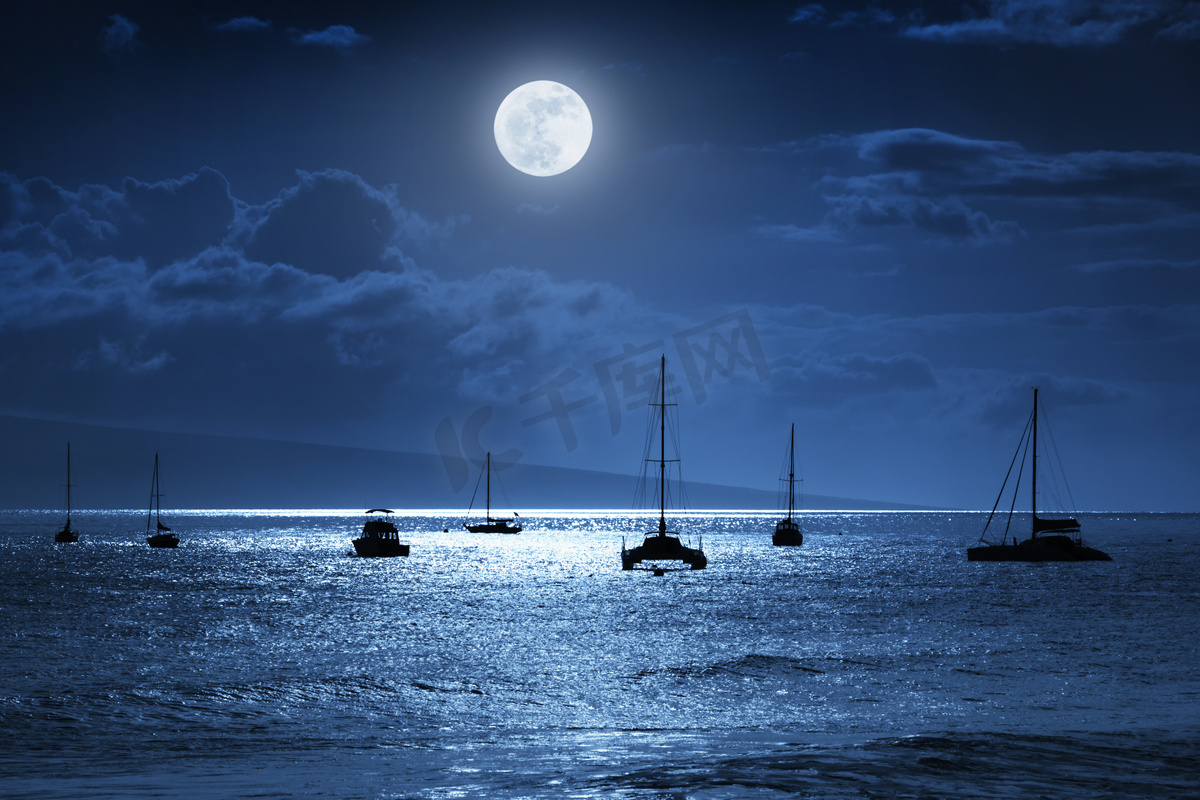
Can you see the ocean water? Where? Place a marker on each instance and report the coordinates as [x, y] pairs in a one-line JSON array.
[[260, 659]]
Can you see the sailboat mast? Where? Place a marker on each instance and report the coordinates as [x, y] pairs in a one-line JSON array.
[[153, 491], [792, 473], [68, 484], [1033, 501], [662, 448], [157, 494], [488, 493]]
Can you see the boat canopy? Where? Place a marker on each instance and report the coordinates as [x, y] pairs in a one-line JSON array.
[[381, 511]]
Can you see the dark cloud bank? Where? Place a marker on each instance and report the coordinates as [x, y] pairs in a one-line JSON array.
[[175, 305]]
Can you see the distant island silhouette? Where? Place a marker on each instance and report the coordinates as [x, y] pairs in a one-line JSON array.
[[234, 472]]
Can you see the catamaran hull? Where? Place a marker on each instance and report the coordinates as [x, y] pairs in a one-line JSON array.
[[630, 559], [1044, 548], [657, 549]]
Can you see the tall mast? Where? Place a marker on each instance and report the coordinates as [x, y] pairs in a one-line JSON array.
[[662, 448], [68, 484], [1033, 502], [488, 494], [155, 508], [792, 473], [153, 487]]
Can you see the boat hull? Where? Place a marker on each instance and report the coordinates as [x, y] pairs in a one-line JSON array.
[[787, 534], [493, 527], [658, 548], [1040, 548], [370, 546], [163, 540], [66, 535]]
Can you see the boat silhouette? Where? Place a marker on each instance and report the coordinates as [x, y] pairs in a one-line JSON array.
[[787, 530], [162, 536], [1049, 539], [68, 534], [379, 538], [661, 544], [491, 524]]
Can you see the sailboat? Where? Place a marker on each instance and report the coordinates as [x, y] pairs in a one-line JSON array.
[[493, 524], [660, 545], [379, 536], [162, 536], [787, 531], [1049, 539], [68, 534]]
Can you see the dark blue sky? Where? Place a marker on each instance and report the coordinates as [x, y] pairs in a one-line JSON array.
[[882, 222]]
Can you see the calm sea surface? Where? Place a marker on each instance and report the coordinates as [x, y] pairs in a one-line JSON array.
[[260, 659]]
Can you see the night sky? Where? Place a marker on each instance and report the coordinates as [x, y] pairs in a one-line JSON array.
[[882, 222]]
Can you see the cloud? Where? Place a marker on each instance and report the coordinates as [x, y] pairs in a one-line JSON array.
[[810, 14], [1011, 401], [340, 37], [952, 188], [221, 283], [1050, 23], [817, 378], [332, 222], [818, 14], [929, 151], [244, 25], [113, 356], [1088, 23], [254, 304], [1138, 264], [824, 233], [864, 373], [1185, 24], [883, 201], [120, 35], [157, 222]]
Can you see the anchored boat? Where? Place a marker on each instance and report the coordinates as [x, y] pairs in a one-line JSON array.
[[787, 531], [68, 534], [662, 545], [1049, 539], [379, 536], [162, 536], [492, 524]]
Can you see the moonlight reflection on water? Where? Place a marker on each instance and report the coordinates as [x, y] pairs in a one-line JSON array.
[[260, 653]]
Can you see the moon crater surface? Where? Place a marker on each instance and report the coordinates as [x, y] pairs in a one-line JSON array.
[[543, 128]]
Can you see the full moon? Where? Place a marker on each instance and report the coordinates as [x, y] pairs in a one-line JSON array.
[[543, 128]]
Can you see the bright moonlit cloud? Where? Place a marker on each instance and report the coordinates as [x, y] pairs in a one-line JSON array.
[[543, 128]]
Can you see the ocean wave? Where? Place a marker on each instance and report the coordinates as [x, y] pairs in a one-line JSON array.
[[947, 765]]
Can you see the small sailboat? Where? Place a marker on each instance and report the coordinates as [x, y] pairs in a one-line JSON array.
[[492, 524], [162, 536], [379, 536], [1063, 542], [787, 531], [68, 534], [662, 545]]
